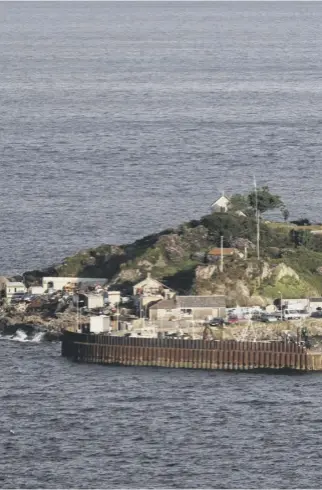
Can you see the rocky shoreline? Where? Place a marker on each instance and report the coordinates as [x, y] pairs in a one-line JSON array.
[[32, 324]]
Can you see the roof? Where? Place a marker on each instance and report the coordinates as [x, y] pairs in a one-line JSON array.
[[201, 301], [191, 302], [143, 283], [222, 201], [315, 300], [165, 304], [15, 284], [217, 251]]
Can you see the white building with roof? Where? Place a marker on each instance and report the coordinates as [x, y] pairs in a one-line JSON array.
[[223, 205], [150, 289], [13, 288], [58, 283]]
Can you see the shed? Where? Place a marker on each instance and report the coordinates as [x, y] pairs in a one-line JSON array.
[[94, 301], [100, 324]]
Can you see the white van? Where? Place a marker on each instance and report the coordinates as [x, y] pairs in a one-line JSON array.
[[293, 314]]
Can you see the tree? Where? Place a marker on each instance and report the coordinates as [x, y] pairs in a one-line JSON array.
[[285, 212], [238, 202], [265, 200]]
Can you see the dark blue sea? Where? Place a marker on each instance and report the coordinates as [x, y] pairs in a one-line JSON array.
[[120, 119], [65, 425], [117, 120]]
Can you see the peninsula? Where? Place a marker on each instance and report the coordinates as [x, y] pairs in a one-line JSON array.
[[233, 252]]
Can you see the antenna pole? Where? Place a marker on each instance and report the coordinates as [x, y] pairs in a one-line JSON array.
[[221, 253], [257, 220]]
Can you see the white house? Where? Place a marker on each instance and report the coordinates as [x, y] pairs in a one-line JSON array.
[[13, 288], [57, 283], [222, 205], [150, 289]]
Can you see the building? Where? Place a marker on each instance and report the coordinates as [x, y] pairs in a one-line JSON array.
[[223, 205], [296, 303], [36, 290], [13, 288], [149, 290], [114, 297], [94, 301], [58, 283], [99, 324], [315, 303], [89, 301], [189, 307], [227, 252], [214, 254]]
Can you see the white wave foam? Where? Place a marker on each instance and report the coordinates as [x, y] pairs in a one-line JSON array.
[[21, 336], [38, 337]]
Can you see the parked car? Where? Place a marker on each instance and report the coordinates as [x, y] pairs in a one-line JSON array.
[[236, 319], [28, 297], [268, 318], [215, 322], [257, 316], [316, 314], [17, 297]]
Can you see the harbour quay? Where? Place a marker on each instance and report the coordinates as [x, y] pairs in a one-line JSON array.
[[189, 353]]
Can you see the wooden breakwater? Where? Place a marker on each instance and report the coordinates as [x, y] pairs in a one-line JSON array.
[[186, 353]]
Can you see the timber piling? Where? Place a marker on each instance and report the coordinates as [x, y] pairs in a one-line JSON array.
[[187, 353]]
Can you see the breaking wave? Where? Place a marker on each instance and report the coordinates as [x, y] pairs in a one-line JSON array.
[[21, 336]]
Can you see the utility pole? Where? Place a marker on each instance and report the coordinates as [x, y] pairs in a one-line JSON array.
[[221, 253], [257, 220]]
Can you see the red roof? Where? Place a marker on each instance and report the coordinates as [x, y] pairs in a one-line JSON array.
[[217, 251]]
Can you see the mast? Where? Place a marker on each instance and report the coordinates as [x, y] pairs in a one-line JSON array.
[[257, 220], [221, 254]]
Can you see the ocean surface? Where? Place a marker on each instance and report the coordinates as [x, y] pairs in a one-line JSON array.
[[64, 425], [120, 119], [117, 120]]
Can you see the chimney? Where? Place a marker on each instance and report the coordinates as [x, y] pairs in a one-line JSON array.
[[148, 275]]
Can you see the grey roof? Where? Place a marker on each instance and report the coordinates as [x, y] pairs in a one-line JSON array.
[[191, 302], [164, 304], [315, 300], [201, 301]]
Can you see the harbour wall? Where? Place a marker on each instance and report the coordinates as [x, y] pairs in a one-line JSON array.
[[186, 353]]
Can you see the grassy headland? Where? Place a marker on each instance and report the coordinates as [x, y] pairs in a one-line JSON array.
[[290, 257]]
